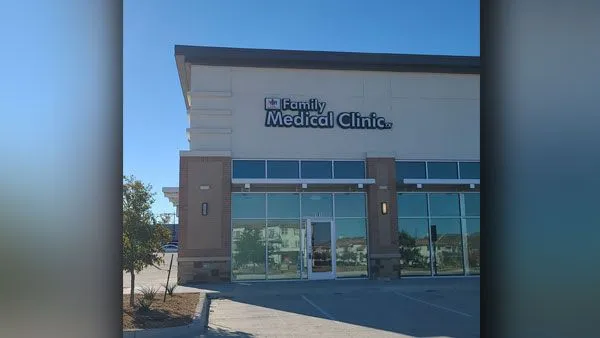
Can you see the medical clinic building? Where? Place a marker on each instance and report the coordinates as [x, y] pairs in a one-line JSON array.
[[322, 165]]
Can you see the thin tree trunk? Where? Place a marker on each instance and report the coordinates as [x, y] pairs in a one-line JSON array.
[[131, 296]]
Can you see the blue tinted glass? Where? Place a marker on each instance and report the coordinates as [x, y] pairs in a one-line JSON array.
[[469, 170], [351, 247], [283, 205], [247, 205], [316, 169], [412, 205], [350, 205], [444, 205], [248, 169], [282, 169], [471, 204], [317, 205], [448, 247], [349, 169], [444, 170], [409, 170]]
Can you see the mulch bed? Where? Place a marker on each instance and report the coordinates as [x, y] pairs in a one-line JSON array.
[[178, 310]]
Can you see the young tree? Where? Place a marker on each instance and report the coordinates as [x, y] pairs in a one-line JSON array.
[[250, 248], [143, 234]]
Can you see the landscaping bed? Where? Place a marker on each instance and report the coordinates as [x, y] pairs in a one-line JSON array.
[[178, 310]]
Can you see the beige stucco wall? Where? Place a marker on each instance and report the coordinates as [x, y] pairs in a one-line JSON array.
[[435, 116]]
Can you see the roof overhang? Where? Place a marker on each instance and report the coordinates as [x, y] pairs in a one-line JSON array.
[[172, 193], [186, 56]]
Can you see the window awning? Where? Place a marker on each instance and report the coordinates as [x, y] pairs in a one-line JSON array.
[[440, 181], [312, 181]]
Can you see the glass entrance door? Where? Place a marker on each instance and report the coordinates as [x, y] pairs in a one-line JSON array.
[[320, 244]]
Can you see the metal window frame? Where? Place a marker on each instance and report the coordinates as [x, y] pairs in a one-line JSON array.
[[300, 220]]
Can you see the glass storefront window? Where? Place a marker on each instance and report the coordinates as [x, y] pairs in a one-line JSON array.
[[350, 205], [349, 169], [441, 204], [248, 205], [283, 205], [412, 205], [317, 205], [409, 170], [351, 247], [448, 247], [248, 249], [469, 170], [283, 169], [248, 169], [442, 170], [283, 248], [473, 249], [413, 235], [316, 169], [471, 204]]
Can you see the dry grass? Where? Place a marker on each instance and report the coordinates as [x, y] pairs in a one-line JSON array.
[[178, 310]]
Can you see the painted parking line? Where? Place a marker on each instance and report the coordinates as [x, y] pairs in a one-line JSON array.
[[431, 304], [318, 308]]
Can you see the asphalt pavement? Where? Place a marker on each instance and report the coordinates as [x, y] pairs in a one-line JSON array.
[[423, 307]]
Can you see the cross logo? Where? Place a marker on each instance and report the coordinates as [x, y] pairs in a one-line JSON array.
[[272, 103]]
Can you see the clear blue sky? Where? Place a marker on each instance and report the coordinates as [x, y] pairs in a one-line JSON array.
[[155, 120]]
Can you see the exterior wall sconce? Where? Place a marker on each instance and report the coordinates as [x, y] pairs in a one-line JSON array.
[[204, 209], [384, 208]]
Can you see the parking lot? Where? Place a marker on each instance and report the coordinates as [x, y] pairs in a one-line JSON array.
[[153, 276], [445, 307], [409, 307]]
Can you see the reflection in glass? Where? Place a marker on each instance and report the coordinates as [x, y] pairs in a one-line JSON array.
[[248, 249], [471, 204], [448, 247], [351, 247], [350, 205], [413, 241], [303, 246], [321, 247], [412, 205], [473, 252], [247, 205], [444, 204], [283, 248], [284, 205], [317, 205]]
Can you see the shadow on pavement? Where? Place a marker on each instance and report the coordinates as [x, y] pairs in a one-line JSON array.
[[446, 307]]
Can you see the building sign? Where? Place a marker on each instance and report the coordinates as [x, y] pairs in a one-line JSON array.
[[311, 114]]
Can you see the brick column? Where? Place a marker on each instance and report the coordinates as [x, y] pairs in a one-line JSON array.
[[384, 255], [204, 240]]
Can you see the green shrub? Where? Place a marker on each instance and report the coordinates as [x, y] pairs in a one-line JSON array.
[[148, 295], [170, 288]]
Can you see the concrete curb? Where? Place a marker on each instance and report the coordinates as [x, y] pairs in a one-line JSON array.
[[196, 327]]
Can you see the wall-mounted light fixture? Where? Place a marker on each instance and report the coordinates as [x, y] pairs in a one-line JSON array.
[[384, 208], [204, 209]]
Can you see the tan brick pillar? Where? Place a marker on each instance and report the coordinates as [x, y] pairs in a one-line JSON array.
[[204, 240], [384, 255]]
